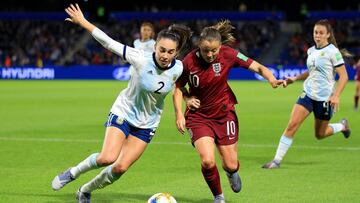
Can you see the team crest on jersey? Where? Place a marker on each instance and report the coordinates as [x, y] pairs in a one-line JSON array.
[[216, 68], [119, 121], [302, 95]]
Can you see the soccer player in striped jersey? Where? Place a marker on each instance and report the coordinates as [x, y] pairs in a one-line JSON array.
[[146, 41], [320, 95], [210, 116], [136, 113]]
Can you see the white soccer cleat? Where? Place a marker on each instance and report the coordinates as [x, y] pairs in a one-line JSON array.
[[346, 132], [271, 165], [62, 179], [219, 199], [235, 181], [83, 197]]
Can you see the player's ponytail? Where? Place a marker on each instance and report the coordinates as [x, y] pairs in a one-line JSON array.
[[222, 32], [331, 39], [225, 29], [178, 33]]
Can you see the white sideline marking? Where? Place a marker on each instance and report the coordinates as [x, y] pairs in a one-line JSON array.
[[31, 139]]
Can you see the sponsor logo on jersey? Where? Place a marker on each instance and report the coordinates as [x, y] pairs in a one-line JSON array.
[[216, 68]]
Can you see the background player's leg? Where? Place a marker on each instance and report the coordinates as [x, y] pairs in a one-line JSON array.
[[298, 115]]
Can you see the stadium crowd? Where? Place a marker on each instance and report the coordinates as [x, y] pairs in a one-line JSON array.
[[39, 43]]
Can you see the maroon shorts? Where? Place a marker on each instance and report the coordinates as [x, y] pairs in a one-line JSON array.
[[358, 75], [225, 131]]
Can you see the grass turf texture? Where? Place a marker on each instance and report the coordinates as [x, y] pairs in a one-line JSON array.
[[47, 126]]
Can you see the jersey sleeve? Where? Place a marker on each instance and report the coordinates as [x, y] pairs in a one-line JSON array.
[[240, 59], [336, 58], [130, 54]]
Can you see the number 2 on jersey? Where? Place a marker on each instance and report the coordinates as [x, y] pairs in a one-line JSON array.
[[162, 84]]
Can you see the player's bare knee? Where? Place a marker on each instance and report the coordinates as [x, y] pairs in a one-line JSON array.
[[319, 135], [105, 160], [208, 163], [119, 169], [230, 166], [291, 128]]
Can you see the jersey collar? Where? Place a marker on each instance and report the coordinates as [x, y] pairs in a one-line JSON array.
[[322, 47], [161, 68]]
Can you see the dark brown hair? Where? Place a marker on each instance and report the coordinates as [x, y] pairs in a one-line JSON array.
[[222, 32], [178, 33], [331, 39]]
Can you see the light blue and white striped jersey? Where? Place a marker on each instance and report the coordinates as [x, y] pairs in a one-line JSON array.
[[321, 64], [142, 102], [147, 46]]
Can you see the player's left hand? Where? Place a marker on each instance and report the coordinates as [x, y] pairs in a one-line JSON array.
[[276, 83], [75, 13], [334, 102]]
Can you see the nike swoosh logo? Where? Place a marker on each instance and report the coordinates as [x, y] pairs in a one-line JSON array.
[[231, 138]]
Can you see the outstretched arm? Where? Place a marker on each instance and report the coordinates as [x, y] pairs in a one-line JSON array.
[[290, 80], [266, 73], [77, 17]]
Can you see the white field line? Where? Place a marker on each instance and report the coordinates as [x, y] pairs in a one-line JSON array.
[[32, 139]]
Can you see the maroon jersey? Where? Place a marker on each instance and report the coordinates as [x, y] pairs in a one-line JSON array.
[[208, 81]]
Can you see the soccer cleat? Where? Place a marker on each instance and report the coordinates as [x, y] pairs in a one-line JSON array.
[[235, 181], [272, 164], [219, 199], [83, 197], [62, 179], [346, 132]]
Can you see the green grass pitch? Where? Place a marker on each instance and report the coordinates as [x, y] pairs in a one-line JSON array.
[[47, 126]]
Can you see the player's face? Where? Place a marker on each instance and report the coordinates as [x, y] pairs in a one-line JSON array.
[[321, 35], [209, 49], [146, 32], [165, 51]]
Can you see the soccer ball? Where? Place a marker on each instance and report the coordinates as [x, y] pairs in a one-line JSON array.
[[162, 198]]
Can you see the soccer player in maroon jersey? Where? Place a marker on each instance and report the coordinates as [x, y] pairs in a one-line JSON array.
[[210, 114], [357, 85]]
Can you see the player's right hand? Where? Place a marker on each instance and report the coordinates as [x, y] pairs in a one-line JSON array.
[[75, 13], [180, 123], [192, 103]]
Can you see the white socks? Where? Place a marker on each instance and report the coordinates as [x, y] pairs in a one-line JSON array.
[[84, 166], [337, 127], [103, 179], [283, 147]]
